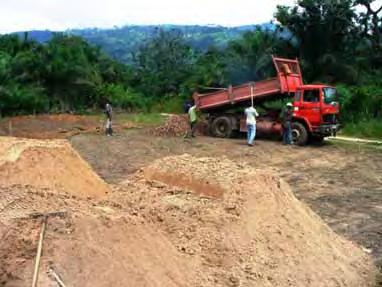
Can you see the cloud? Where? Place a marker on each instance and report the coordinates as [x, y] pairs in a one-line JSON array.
[[18, 15]]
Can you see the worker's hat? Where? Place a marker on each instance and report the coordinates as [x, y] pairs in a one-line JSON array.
[[289, 105]]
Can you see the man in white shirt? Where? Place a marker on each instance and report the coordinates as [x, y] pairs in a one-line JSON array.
[[251, 114]]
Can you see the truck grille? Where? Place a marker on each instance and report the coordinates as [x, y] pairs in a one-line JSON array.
[[330, 118]]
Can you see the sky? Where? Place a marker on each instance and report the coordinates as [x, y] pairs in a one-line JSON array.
[[58, 15]]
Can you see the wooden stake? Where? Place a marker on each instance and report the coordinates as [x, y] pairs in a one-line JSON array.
[[252, 94], [39, 250], [10, 132], [57, 277]]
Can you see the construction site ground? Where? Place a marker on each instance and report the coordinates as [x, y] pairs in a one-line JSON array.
[[341, 182]]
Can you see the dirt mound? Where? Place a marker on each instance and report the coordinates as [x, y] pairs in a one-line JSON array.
[[97, 243], [177, 125], [182, 221], [254, 232], [50, 164], [120, 254]]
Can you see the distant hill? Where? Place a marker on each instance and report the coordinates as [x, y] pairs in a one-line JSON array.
[[37, 35], [120, 43]]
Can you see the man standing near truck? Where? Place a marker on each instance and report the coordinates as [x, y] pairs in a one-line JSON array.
[[193, 119], [287, 124], [251, 115]]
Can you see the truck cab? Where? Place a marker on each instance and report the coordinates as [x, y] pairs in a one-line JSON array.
[[316, 113]]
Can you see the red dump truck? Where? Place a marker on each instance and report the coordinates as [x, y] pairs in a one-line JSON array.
[[315, 107]]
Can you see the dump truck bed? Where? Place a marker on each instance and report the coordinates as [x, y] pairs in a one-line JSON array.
[[288, 79]]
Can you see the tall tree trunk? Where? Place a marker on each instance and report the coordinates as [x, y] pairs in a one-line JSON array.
[[375, 29]]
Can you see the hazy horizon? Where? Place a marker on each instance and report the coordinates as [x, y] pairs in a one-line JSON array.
[[61, 15]]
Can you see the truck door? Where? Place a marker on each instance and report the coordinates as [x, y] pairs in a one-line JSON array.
[[311, 107]]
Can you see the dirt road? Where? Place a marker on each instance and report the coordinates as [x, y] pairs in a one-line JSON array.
[[342, 183]]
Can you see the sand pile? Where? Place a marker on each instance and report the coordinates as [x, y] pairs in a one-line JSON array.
[[50, 164], [96, 244], [248, 229], [181, 221]]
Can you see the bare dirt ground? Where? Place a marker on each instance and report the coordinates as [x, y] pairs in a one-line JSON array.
[[180, 221], [341, 183], [55, 126], [166, 222]]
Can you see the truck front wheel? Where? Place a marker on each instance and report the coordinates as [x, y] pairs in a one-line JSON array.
[[221, 127], [299, 134]]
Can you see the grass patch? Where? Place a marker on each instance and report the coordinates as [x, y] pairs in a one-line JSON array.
[[355, 147], [149, 119], [371, 129], [173, 105]]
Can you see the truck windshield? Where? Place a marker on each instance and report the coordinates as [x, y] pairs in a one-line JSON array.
[[330, 95]]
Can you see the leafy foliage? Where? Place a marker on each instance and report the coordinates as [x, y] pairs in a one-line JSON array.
[[209, 70], [249, 58], [371, 128], [163, 63], [363, 101], [125, 98], [326, 35], [66, 73], [18, 99]]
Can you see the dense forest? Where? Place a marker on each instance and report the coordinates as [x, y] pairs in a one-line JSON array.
[[337, 42], [121, 43]]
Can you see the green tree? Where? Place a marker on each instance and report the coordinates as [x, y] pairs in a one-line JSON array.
[[71, 75], [209, 70], [249, 58], [64, 74], [369, 54], [327, 37], [163, 63], [371, 22]]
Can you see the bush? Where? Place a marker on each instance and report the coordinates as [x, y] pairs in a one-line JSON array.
[[123, 97], [361, 107], [362, 102], [369, 129], [21, 99], [169, 104]]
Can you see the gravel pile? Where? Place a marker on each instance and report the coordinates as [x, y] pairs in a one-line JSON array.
[[178, 125]]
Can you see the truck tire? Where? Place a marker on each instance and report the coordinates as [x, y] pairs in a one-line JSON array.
[[221, 127], [299, 134]]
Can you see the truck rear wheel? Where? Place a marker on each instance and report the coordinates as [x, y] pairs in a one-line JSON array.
[[299, 134], [221, 127]]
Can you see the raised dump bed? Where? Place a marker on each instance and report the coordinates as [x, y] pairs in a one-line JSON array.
[[288, 79]]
